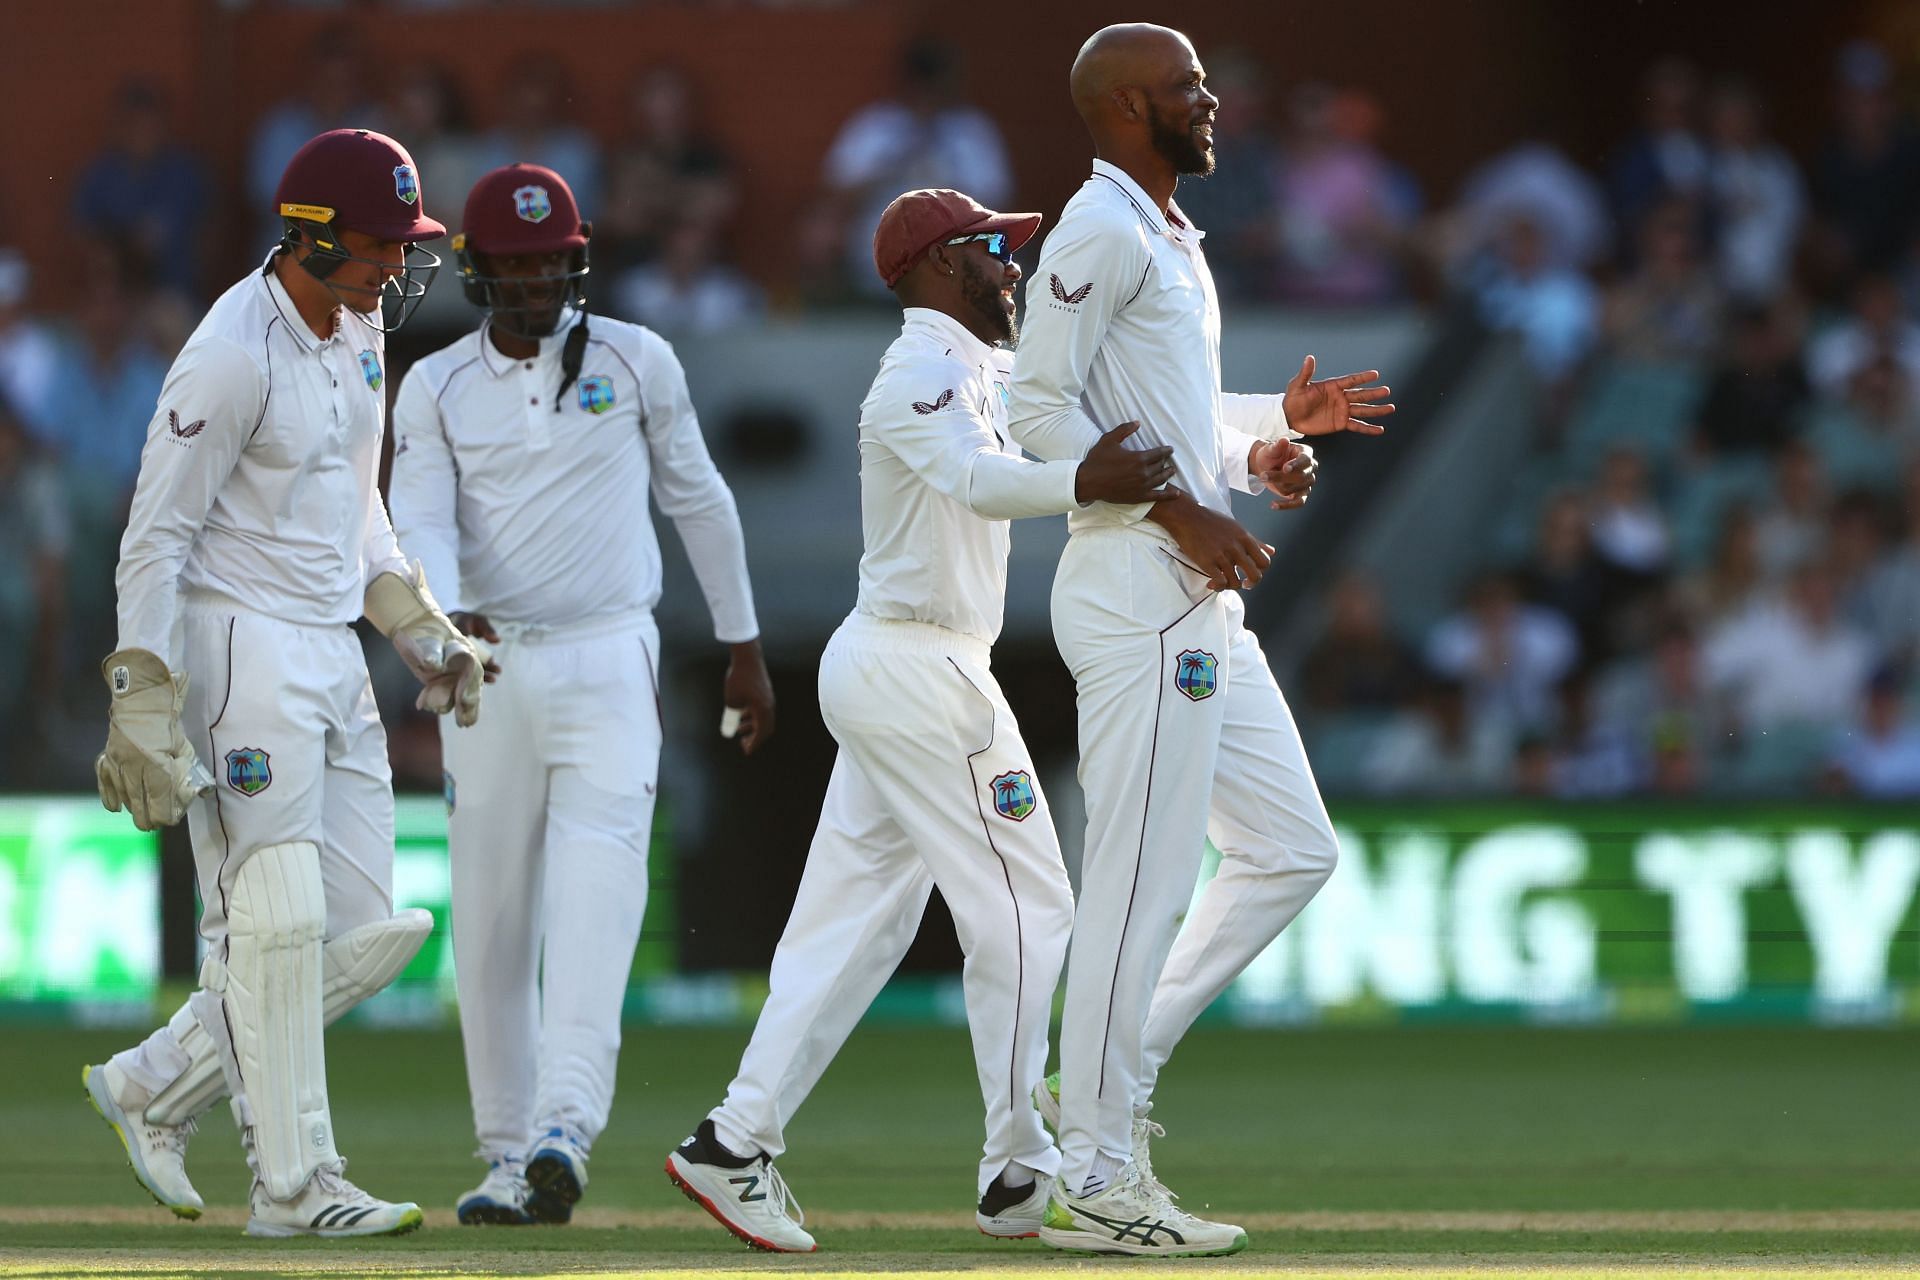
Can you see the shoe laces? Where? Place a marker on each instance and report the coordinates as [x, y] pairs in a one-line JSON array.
[[332, 1179], [1142, 1156], [172, 1138], [782, 1195]]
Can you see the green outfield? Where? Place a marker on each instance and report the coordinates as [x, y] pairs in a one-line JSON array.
[[1429, 1150]]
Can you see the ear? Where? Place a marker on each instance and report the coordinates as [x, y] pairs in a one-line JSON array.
[[1127, 103]]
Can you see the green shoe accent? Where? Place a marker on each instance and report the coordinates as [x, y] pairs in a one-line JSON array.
[[1057, 1216], [1053, 1085]]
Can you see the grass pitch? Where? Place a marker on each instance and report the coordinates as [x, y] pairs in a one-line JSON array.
[[1409, 1151]]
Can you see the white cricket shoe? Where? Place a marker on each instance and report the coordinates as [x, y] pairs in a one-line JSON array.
[[501, 1198], [1046, 1100], [556, 1175], [157, 1152], [746, 1196], [329, 1205], [1013, 1213], [1131, 1217]]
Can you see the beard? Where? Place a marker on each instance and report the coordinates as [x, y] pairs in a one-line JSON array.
[[525, 317], [983, 295], [1178, 145]]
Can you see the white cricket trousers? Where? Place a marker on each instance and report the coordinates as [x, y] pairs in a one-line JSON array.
[[1184, 735], [933, 785], [550, 799], [283, 716]]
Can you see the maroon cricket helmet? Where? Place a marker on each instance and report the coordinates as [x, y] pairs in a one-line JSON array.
[[522, 208], [357, 180]]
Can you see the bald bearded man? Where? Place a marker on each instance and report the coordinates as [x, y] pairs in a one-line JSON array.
[[1183, 732]]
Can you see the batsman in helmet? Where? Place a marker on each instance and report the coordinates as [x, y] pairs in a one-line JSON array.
[[240, 697]]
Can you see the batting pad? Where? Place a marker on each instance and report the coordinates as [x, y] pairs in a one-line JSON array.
[[353, 967], [270, 995]]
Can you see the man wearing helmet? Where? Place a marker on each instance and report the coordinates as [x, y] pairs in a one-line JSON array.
[[524, 455], [256, 536]]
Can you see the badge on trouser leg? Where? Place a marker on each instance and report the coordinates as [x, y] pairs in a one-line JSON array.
[[269, 984]]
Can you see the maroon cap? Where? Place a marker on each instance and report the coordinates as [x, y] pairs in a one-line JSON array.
[[522, 208], [918, 220], [358, 180]]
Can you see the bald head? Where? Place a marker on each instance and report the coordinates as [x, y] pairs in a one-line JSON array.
[[1127, 55], [1141, 90]]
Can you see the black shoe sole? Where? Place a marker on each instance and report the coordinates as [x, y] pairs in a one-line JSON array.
[[553, 1190], [494, 1215]]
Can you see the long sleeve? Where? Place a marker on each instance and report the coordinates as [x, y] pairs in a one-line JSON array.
[[209, 406], [692, 493], [1087, 272], [955, 451], [424, 494], [1262, 416]]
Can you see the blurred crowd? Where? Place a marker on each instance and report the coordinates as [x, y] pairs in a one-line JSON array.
[[1706, 579]]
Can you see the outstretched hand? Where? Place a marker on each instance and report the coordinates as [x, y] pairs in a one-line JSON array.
[[1345, 403]]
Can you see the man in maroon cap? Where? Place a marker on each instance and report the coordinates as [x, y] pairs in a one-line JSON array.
[[524, 458], [256, 535], [933, 783]]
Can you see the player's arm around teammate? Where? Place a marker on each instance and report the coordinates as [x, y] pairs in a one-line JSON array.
[[933, 783]]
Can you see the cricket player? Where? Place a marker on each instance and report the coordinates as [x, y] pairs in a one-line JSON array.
[[933, 783], [1183, 732], [524, 455], [240, 693]]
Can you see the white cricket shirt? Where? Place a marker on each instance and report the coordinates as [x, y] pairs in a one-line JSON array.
[[534, 512], [940, 478], [260, 476], [1122, 325]]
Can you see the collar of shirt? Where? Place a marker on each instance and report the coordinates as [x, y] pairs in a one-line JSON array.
[[946, 329], [1175, 223], [499, 364], [283, 302]]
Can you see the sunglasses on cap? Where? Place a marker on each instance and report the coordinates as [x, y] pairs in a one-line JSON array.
[[999, 244]]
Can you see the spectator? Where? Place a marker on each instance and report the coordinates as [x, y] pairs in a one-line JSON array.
[[1670, 308], [1236, 204], [33, 525], [1792, 661], [1438, 749], [1732, 582], [1565, 575], [1879, 756], [535, 124], [29, 354], [1793, 520], [1536, 183], [1865, 440], [1339, 216], [332, 95], [1510, 656], [1892, 595], [1659, 701], [1666, 157], [1553, 308], [109, 367], [688, 291], [929, 136], [1629, 530], [147, 193], [1359, 664], [1754, 195], [1866, 177], [1592, 756], [1757, 394], [665, 171], [1876, 328], [1855, 542]]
